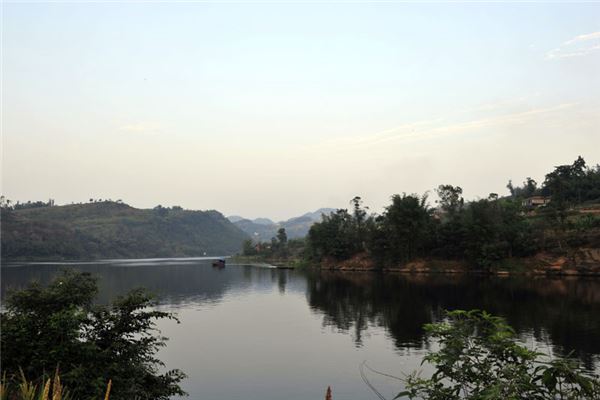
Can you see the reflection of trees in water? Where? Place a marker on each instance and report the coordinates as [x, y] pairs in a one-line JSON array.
[[352, 301], [565, 311], [191, 282], [174, 283]]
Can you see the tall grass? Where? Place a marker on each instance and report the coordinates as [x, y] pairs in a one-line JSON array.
[[52, 389]]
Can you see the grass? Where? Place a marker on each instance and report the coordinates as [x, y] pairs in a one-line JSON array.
[[52, 389]]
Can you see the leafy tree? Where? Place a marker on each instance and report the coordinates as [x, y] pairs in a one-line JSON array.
[[511, 188], [333, 237], [407, 222], [360, 219], [248, 248], [282, 237], [530, 187], [274, 244], [493, 230], [59, 327], [451, 199], [479, 358], [567, 183], [279, 243], [341, 235], [564, 185]]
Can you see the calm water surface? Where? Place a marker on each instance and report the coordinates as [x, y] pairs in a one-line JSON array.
[[249, 332]]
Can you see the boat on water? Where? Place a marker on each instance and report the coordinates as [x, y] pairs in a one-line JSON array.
[[219, 263]]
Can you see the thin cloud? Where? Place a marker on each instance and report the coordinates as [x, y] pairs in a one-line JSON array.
[[582, 38], [146, 128], [580, 45], [430, 129]]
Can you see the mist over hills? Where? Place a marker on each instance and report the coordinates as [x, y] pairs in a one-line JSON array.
[[115, 230], [264, 229], [259, 221]]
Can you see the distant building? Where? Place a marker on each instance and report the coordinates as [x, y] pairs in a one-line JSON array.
[[535, 201]]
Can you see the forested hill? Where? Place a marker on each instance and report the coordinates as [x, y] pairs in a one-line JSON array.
[[115, 230]]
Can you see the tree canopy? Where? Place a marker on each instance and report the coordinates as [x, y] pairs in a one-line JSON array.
[[481, 232]]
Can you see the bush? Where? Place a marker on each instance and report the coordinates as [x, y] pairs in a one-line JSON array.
[[58, 327], [480, 359]]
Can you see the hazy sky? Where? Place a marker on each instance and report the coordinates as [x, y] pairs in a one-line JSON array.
[[266, 109]]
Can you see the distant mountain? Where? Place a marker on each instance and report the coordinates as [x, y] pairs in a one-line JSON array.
[[263, 221], [257, 231], [317, 215], [258, 221], [264, 229], [235, 218], [115, 230]]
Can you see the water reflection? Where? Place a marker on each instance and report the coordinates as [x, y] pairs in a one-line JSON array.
[[174, 282], [565, 313]]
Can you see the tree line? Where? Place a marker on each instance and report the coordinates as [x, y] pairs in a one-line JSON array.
[[481, 232], [280, 247]]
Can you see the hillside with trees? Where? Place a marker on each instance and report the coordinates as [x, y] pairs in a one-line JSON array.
[[554, 225], [108, 229]]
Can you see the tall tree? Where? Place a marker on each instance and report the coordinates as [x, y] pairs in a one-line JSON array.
[[451, 199], [360, 217], [407, 221]]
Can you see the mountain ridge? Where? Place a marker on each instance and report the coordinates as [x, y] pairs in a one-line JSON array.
[[295, 227]]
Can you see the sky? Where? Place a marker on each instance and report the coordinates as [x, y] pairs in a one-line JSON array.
[[273, 109]]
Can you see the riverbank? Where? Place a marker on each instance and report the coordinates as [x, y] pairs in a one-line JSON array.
[[579, 262], [582, 262], [281, 263]]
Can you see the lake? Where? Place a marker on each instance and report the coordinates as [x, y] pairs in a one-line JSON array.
[[250, 332]]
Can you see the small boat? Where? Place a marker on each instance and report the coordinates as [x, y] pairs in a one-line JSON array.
[[219, 263]]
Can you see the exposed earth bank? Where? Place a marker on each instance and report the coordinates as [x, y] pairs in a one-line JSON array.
[[582, 261]]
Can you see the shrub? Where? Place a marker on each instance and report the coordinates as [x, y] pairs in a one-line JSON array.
[[480, 359], [58, 327]]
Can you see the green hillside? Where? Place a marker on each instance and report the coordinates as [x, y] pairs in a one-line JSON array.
[[115, 230]]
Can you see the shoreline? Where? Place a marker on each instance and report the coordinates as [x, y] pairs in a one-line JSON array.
[[521, 267], [582, 262], [561, 267], [500, 273]]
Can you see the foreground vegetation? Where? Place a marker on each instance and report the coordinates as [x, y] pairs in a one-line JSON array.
[[109, 229], [52, 389], [480, 234], [58, 328], [479, 359], [102, 351]]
